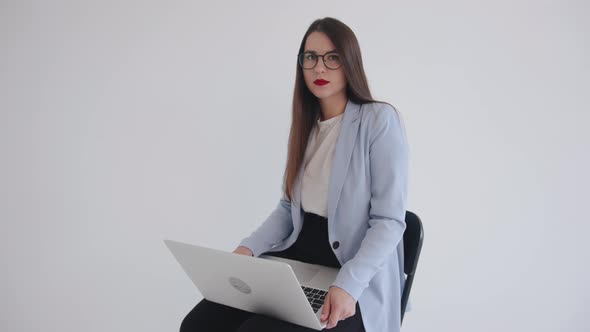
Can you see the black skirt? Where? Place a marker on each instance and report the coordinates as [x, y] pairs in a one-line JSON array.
[[312, 244]]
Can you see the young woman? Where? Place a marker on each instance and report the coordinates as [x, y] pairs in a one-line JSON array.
[[344, 194]]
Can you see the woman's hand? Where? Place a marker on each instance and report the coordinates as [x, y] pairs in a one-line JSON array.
[[243, 251], [338, 305]]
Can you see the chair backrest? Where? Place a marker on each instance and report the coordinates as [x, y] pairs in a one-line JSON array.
[[413, 238]]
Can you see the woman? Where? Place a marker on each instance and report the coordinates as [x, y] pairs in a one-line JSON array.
[[348, 208]]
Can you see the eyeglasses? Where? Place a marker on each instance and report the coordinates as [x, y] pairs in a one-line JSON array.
[[308, 60]]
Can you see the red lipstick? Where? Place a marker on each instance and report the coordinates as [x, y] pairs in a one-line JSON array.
[[320, 82]]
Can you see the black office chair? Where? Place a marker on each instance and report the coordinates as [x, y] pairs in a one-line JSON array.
[[413, 238]]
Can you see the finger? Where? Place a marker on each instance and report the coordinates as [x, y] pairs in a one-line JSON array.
[[346, 314], [333, 319], [326, 308]]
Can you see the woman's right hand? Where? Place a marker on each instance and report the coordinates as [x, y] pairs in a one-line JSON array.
[[243, 251]]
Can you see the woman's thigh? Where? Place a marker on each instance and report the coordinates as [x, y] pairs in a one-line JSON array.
[[209, 316], [263, 323]]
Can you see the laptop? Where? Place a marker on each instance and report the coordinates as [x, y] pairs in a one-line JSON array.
[[281, 288]]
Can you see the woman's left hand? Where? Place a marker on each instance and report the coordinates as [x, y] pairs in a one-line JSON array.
[[338, 305]]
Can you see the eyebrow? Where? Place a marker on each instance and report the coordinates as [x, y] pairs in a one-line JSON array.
[[331, 51]]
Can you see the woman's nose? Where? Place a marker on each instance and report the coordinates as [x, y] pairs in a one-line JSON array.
[[320, 67]]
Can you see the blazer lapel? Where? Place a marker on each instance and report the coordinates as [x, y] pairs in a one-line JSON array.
[[342, 154]]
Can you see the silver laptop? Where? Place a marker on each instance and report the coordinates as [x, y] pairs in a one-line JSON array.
[[282, 288]]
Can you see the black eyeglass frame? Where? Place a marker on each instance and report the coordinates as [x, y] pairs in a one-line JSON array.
[[316, 60]]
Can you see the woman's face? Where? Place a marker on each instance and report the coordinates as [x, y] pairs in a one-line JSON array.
[[319, 43]]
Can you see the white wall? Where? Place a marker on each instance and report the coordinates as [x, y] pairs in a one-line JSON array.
[[126, 123]]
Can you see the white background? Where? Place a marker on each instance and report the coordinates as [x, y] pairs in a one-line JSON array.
[[123, 123]]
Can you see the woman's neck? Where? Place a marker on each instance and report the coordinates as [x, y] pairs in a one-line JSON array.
[[332, 106]]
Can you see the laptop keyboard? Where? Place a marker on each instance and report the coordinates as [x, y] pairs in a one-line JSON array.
[[315, 297]]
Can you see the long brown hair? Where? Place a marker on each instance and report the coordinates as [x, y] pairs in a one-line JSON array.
[[306, 107]]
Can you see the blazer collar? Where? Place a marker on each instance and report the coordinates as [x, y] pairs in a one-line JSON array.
[[342, 154]]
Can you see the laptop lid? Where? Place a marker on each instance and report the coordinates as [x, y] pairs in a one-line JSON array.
[[258, 285]]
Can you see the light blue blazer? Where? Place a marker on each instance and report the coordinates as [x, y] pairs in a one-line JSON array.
[[366, 212]]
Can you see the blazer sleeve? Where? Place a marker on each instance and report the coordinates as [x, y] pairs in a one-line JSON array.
[[388, 157], [277, 226]]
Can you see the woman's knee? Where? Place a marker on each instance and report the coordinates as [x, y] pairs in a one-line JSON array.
[[262, 323], [210, 316]]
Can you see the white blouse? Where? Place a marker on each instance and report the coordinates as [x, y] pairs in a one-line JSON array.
[[318, 158]]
